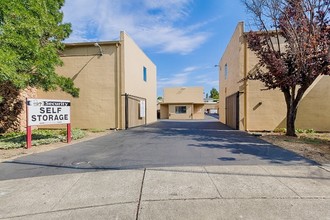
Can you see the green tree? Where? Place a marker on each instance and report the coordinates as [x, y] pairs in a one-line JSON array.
[[31, 35], [214, 94]]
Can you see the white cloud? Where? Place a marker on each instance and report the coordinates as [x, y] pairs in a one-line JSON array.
[[190, 68], [176, 80], [213, 83], [151, 23], [176, 8], [207, 79]]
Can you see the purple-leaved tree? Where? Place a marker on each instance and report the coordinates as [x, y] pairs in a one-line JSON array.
[[292, 42]]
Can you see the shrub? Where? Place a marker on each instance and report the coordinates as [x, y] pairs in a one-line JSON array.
[[300, 130], [39, 137], [280, 130], [96, 130], [310, 131], [77, 133]]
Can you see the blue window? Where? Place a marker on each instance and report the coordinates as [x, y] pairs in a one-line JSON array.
[[226, 71], [145, 74]]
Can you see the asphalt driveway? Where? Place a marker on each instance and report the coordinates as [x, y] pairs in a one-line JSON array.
[[162, 144]]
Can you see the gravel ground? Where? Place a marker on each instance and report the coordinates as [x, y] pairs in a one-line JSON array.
[[312, 146]]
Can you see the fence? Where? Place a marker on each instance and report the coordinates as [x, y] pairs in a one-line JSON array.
[[135, 111], [232, 110]]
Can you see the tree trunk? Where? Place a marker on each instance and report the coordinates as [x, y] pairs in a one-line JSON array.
[[290, 120], [292, 102], [10, 108]]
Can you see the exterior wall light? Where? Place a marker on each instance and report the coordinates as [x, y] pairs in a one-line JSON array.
[[97, 45]]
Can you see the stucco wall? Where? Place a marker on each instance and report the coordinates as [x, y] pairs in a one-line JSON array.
[[266, 109], [134, 84], [183, 95], [175, 116], [95, 76], [234, 58], [198, 111], [314, 109], [194, 111], [164, 111]]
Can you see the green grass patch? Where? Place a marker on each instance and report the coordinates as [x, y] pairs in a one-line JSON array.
[[314, 140], [96, 130], [309, 138], [298, 130], [280, 130], [39, 137]]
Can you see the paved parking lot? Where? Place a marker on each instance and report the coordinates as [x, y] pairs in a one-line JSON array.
[[162, 144], [167, 170]]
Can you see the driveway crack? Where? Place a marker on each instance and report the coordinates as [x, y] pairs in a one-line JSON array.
[[213, 183], [140, 197], [281, 182]]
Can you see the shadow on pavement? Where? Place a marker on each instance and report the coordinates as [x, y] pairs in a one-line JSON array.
[[165, 143], [217, 136], [190, 124]]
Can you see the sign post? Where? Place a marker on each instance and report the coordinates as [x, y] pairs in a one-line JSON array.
[[47, 112], [28, 130], [68, 133]]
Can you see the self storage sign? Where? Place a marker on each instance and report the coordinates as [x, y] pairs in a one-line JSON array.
[[46, 111]]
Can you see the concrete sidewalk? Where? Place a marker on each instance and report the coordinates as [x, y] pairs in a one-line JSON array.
[[212, 192]]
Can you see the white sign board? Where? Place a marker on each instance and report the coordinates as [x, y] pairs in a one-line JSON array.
[[142, 108], [47, 111]]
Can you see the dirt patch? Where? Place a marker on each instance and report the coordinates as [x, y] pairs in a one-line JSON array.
[[312, 146], [18, 152]]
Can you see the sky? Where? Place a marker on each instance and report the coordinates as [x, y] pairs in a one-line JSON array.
[[184, 38]]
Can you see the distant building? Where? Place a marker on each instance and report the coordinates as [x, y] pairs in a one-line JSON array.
[[182, 103], [211, 106], [117, 84], [243, 106]]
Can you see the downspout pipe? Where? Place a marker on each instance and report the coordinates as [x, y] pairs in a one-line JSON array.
[[118, 87], [245, 84]]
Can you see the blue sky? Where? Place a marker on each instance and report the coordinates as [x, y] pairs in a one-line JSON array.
[[184, 38]]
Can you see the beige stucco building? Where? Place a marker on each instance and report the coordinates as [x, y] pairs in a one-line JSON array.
[[117, 84], [211, 106], [182, 103], [244, 106]]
